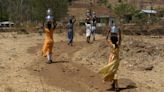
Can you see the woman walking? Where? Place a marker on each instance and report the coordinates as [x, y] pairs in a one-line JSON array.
[[70, 27], [88, 29], [109, 71], [48, 42]]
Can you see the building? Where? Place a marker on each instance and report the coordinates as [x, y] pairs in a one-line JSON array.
[[6, 24]]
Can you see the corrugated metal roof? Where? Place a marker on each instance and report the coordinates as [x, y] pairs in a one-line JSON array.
[[6, 22], [149, 11]]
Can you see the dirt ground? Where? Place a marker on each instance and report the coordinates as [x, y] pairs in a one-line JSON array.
[[75, 69]]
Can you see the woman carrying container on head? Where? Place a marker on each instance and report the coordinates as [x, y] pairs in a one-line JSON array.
[[109, 71], [48, 42]]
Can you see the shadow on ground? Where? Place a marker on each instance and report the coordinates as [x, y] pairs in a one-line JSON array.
[[124, 85]]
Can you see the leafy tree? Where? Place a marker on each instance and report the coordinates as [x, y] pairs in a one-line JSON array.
[[59, 8], [103, 2], [3, 14], [140, 19], [3, 11], [109, 6], [32, 10], [123, 9]]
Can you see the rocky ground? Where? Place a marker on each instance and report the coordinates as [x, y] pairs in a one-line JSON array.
[[23, 69]]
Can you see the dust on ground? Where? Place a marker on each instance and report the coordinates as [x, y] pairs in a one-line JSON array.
[[22, 69]]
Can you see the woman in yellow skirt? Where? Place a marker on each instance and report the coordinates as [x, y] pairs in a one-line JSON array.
[[109, 71]]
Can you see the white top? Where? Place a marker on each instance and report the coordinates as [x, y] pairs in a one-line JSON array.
[[114, 29], [49, 18], [88, 29]]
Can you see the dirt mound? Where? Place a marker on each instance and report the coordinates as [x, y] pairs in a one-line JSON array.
[[74, 74], [144, 32], [154, 29], [141, 55], [93, 55], [138, 55], [75, 67], [65, 74], [22, 69]]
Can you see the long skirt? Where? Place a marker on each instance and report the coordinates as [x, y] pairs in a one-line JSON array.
[[109, 71], [70, 36], [88, 33], [47, 47], [93, 32]]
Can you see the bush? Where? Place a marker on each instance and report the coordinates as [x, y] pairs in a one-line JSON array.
[[103, 2], [123, 9], [34, 10], [109, 6]]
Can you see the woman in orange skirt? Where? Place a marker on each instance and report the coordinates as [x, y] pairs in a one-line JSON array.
[[48, 42]]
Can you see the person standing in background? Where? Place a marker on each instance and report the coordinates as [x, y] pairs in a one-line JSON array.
[[93, 22], [70, 27], [88, 29]]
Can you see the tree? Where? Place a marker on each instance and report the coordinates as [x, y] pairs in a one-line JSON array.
[[33, 10], [140, 19], [103, 2], [59, 8], [124, 9], [3, 11]]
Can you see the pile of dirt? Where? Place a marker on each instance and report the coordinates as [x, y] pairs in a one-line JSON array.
[[76, 73], [153, 29], [93, 56], [141, 55], [158, 31], [135, 54]]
